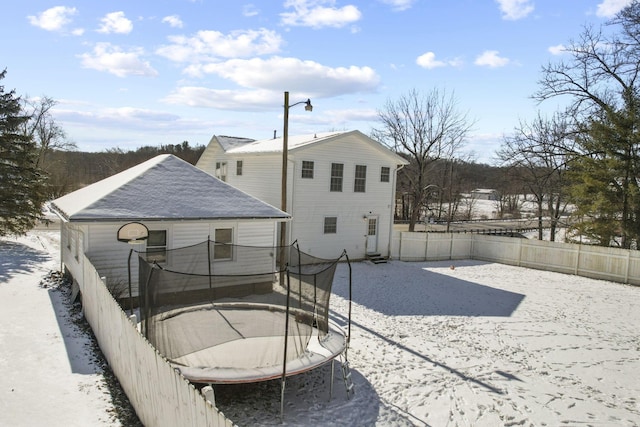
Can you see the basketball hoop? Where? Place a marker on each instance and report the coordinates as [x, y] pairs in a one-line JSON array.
[[133, 232]]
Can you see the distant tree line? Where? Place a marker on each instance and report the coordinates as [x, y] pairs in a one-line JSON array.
[[71, 170]]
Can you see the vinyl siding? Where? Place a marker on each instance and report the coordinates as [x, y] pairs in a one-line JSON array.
[[309, 200], [110, 257], [261, 176], [313, 201]]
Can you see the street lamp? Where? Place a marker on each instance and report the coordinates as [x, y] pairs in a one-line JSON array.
[[285, 148]]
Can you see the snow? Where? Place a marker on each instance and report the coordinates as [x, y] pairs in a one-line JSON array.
[[49, 373], [462, 343]]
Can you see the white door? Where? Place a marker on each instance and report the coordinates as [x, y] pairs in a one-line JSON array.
[[372, 234]]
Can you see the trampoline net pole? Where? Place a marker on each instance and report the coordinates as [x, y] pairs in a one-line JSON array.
[[286, 340], [209, 267]]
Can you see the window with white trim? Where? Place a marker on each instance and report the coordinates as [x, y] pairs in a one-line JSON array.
[[223, 246], [239, 167], [337, 171], [360, 181], [385, 173], [330, 225], [157, 246], [307, 169]]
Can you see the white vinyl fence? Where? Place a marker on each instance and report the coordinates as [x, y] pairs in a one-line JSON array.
[[159, 394], [617, 265]]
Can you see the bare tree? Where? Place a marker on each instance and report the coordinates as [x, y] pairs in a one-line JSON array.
[[599, 79], [540, 151], [423, 128], [48, 137], [42, 127]]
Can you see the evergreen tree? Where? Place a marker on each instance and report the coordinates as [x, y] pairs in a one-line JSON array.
[[22, 184], [599, 78], [605, 186]]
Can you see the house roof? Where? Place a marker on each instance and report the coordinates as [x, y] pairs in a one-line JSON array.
[[274, 145], [298, 142], [162, 188], [230, 142]]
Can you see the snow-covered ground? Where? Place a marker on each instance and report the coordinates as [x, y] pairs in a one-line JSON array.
[[478, 344]]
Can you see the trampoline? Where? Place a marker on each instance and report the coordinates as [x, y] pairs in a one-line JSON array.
[[230, 314], [248, 345]]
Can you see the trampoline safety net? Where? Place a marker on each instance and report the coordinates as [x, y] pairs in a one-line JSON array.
[[231, 306]]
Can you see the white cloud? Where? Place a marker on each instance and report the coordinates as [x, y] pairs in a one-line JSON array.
[[173, 21], [314, 13], [53, 19], [557, 49], [399, 5], [112, 59], [428, 60], [115, 22], [515, 9], [196, 96], [490, 58], [608, 8], [250, 10], [298, 75], [208, 45]]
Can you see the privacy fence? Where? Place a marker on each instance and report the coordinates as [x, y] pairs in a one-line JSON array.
[[150, 382], [617, 265], [159, 394]]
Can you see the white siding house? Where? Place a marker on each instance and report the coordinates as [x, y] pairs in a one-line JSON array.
[[179, 204], [340, 187]]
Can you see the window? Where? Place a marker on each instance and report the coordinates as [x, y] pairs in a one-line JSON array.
[[336, 176], [384, 174], [360, 179], [307, 169], [157, 245], [330, 225], [223, 248], [239, 167], [221, 171]]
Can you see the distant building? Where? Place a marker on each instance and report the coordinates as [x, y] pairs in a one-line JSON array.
[[485, 194]]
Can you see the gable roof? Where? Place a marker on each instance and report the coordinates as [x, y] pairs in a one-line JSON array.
[[162, 188], [298, 142], [230, 142], [274, 145]]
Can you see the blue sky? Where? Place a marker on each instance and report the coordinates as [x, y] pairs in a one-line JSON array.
[[132, 73]]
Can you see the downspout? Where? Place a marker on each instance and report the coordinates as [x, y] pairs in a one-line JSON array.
[[291, 199], [392, 210]]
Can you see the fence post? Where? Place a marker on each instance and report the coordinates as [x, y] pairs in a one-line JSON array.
[[450, 246], [520, 252], [426, 245], [626, 272]]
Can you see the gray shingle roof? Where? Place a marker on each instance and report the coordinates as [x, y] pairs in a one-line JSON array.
[[162, 188]]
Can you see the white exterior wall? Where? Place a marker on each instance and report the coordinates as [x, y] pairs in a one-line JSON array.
[[110, 257], [72, 247], [207, 161], [309, 201], [261, 176], [312, 200]]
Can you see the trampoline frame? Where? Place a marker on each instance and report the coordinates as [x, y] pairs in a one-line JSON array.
[[336, 335]]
